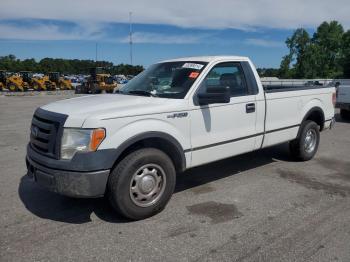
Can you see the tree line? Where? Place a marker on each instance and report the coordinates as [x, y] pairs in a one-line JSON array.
[[325, 54], [64, 66]]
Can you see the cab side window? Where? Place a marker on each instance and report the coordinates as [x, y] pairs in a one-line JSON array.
[[229, 75]]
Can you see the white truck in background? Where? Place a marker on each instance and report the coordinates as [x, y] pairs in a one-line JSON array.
[[175, 115], [343, 98]]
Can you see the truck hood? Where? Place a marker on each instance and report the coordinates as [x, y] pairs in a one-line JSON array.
[[108, 106]]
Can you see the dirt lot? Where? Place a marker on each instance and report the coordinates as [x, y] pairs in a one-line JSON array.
[[260, 206]]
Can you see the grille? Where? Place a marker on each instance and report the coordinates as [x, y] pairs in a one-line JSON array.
[[46, 132]]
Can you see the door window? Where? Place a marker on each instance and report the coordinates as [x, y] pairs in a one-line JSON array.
[[229, 75]]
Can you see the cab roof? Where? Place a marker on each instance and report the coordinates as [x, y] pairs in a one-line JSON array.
[[209, 59]]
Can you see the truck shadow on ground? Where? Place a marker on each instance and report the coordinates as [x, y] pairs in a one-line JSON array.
[[48, 205]]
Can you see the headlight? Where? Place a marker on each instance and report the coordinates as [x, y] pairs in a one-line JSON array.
[[80, 140]]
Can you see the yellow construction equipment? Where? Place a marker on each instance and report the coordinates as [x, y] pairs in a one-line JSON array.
[[27, 77], [98, 81], [39, 83], [15, 83], [2, 80], [56, 81]]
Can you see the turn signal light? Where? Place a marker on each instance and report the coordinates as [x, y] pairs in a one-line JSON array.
[[96, 138]]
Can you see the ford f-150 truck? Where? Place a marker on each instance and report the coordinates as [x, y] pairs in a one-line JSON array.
[[175, 115]]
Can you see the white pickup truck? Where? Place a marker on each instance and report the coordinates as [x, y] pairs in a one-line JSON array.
[[343, 98], [175, 115]]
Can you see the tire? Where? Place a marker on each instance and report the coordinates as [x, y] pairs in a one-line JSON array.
[[345, 114], [96, 90], [302, 150], [125, 190], [78, 90], [12, 87]]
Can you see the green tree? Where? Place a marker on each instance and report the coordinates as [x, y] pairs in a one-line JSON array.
[[322, 56], [345, 60], [285, 71], [299, 45], [328, 39]]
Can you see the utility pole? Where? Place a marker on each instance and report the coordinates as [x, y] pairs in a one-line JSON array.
[[130, 36], [96, 52]]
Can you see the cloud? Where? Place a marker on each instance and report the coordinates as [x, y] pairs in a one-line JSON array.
[[219, 14], [156, 38], [48, 31], [263, 42]]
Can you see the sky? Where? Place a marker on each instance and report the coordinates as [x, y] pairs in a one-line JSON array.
[[161, 29]]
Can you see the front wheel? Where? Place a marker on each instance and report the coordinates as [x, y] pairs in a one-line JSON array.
[[13, 87], [141, 185], [36, 87], [305, 146]]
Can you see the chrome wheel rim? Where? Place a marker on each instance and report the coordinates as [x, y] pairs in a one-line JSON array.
[[147, 185], [310, 141]]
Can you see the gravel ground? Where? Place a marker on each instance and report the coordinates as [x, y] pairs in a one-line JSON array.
[[260, 206]]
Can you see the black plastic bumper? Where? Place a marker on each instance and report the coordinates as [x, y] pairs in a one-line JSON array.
[[85, 175], [69, 183]]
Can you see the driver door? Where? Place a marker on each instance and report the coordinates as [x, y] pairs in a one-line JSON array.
[[222, 130]]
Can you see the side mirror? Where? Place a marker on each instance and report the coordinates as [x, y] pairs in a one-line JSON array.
[[214, 95]]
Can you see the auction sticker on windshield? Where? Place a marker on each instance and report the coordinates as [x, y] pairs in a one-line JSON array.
[[193, 66], [194, 75]]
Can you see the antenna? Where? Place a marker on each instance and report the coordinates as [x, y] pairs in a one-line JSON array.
[[130, 36]]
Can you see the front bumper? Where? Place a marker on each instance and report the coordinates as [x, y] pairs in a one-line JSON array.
[[85, 175], [69, 183]]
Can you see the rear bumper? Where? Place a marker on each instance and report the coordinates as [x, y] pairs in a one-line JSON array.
[[69, 183]]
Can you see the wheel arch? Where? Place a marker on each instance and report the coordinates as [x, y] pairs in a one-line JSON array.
[[315, 114], [165, 142]]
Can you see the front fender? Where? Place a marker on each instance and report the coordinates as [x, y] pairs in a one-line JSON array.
[[119, 133]]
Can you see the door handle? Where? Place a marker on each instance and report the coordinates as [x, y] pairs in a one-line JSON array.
[[250, 108]]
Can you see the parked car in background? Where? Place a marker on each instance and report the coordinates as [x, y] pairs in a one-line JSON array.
[[129, 77], [343, 100]]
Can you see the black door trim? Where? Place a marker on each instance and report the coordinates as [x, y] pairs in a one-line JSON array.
[[239, 139]]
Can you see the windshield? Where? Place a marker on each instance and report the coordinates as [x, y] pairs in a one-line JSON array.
[[168, 79]]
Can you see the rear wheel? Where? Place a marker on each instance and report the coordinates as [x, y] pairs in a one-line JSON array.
[[305, 146], [13, 87], [141, 185], [345, 114]]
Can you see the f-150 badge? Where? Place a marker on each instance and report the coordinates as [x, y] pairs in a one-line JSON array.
[[178, 115]]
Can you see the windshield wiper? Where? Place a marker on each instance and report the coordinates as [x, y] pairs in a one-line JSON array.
[[142, 93]]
